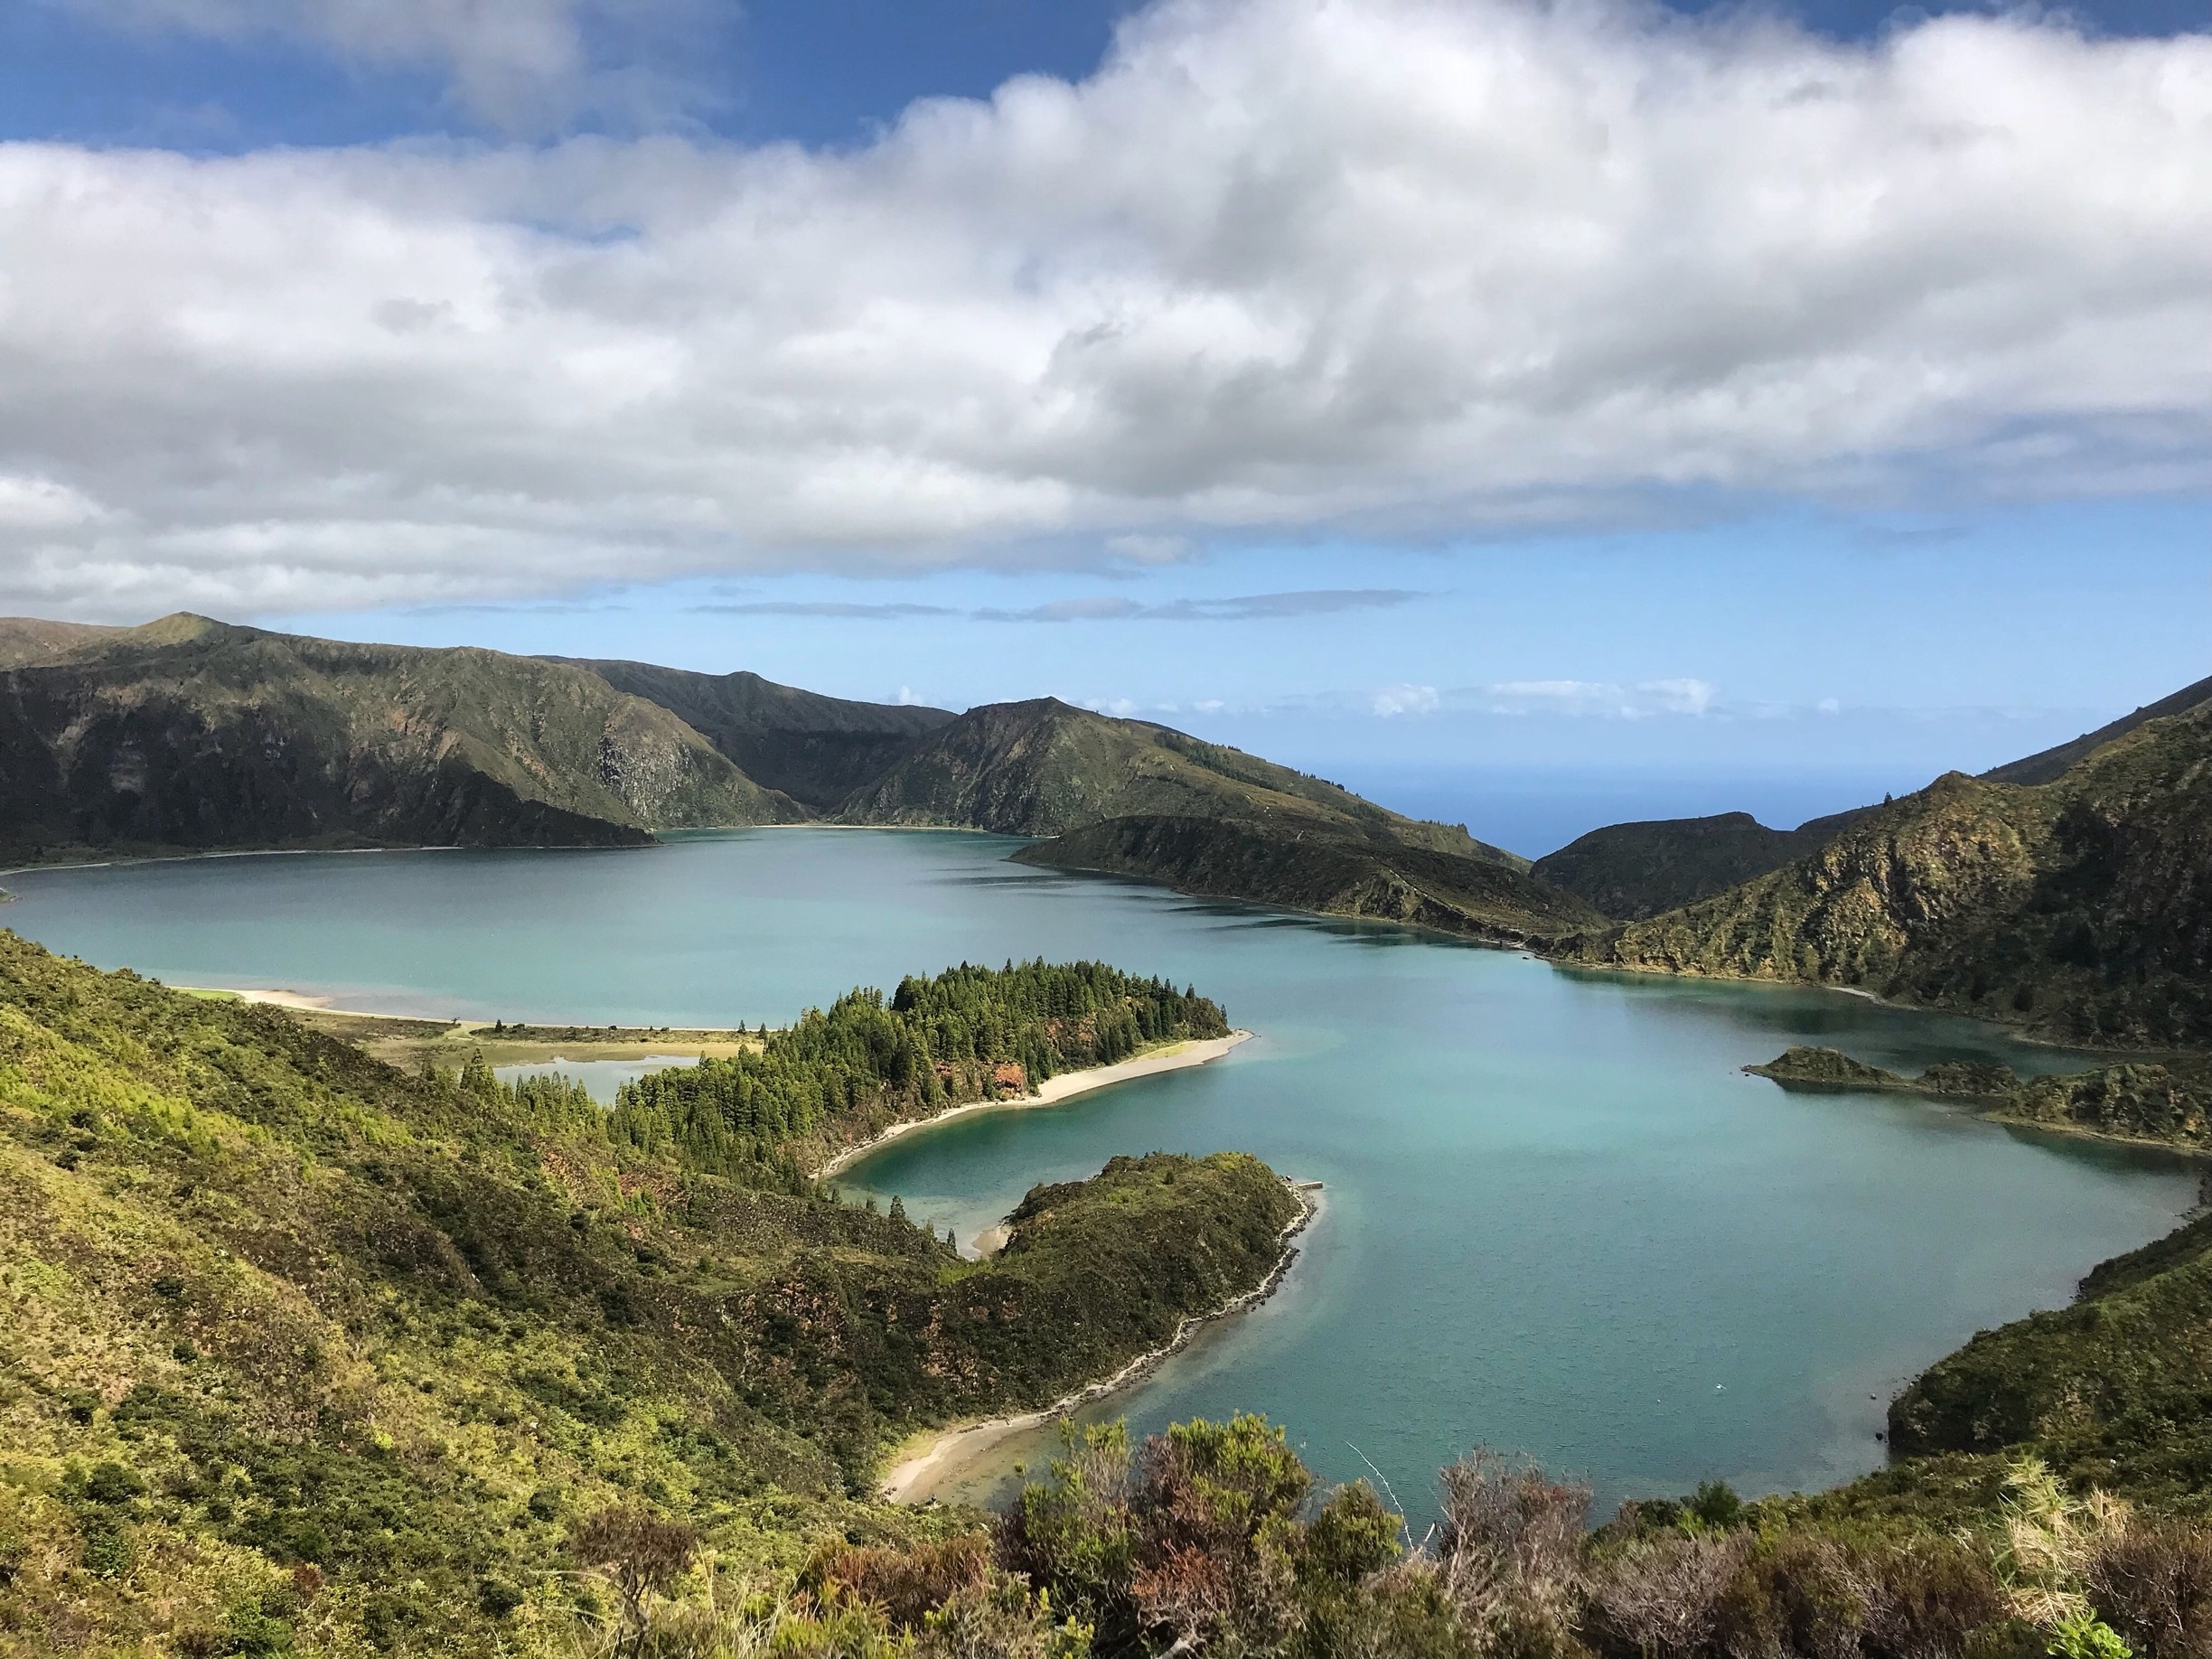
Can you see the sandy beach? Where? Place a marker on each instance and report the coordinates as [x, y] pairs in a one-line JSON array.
[[911, 1478], [1053, 1089]]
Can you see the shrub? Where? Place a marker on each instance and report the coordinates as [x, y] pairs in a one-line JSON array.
[[904, 1585], [1660, 1598], [2152, 1583], [1511, 1541]]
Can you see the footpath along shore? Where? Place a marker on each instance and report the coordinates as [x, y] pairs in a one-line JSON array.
[[1177, 1057]]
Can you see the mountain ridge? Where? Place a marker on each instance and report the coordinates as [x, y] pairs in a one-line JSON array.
[[817, 749], [2079, 908], [1632, 871], [191, 734], [1036, 767]]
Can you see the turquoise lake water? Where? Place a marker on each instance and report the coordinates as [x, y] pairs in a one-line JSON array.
[[1557, 1219]]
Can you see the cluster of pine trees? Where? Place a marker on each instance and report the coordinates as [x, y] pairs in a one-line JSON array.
[[834, 1078]]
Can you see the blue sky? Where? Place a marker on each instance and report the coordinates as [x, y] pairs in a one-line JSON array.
[[817, 71], [1512, 412]]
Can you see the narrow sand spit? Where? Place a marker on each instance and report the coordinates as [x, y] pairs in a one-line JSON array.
[[1053, 1089], [911, 1477]]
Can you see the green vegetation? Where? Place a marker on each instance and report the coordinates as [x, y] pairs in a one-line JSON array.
[[2111, 1391], [1828, 1068], [2080, 908], [1213, 1539], [1329, 870], [2053, 763], [1631, 871], [1043, 768], [832, 1079], [191, 734], [300, 1352], [2168, 1103], [816, 749]]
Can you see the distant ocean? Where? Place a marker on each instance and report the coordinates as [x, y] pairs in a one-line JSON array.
[[1534, 812]]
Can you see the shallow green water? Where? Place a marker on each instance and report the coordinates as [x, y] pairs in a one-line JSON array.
[[1557, 1218]]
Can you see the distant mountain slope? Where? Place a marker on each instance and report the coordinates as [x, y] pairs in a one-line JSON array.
[[816, 749], [25, 640], [188, 733], [1631, 871], [2081, 907], [1044, 768], [1317, 869], [2042, 768]]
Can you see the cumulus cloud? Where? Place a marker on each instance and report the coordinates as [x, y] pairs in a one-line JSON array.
[[1411, 267], [1403, 700]]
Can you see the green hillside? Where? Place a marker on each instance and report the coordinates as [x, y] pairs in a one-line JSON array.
[[25, 640], [2080, 908], [2047, 766], [2110, 1391], [816, 749], [1044, 768], [189, 734], [1327, 870], [1631, 871], [301, 1354], [2168, 1103]]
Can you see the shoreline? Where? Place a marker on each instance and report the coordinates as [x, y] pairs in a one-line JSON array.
[[2018, 1033], [948, 1445], [406, 1040], [1067, 1086], [100, 860]]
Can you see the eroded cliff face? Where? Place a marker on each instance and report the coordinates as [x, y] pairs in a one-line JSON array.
[[2081, 908]]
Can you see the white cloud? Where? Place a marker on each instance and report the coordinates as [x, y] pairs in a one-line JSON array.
[[1591, 697], [1405, 699], [1150, 550], [1690, 697], [41, 504], [1406, 267]]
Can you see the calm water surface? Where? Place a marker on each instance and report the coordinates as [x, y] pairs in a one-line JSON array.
[[1557, 1218]]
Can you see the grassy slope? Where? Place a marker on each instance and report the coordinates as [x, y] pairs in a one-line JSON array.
[[1043, 768], [816, 749], [1336, 874], [2115, 1392], [2080, 908], [268, 1302], [2050, 764], [25, 640], [188, 733], [1631, 871]]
